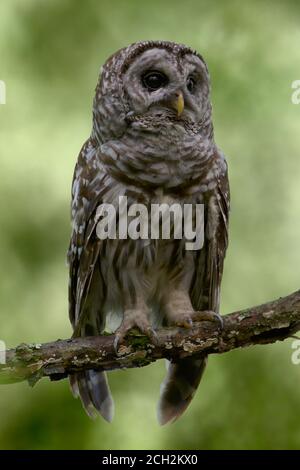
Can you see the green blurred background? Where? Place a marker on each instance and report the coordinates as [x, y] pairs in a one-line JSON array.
[[50, 54]]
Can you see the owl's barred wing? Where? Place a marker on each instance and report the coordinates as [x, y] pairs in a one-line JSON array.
[[205, 288], [87, 193], [87, 287]]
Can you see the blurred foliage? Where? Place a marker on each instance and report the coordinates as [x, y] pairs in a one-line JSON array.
[[50, 54]]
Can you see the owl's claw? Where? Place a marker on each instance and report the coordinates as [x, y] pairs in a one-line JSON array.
[[151, 333], [143, 326], [118, 339], [209, 315], [186, 320]]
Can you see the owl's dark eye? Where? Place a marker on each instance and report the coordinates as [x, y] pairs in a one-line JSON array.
[[190, 84], [153, 80]]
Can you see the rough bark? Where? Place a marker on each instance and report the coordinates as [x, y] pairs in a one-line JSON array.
[[267, 323]]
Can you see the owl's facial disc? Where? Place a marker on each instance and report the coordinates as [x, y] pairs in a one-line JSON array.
[[160, 84]]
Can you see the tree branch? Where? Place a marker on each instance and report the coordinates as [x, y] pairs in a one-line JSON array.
[[267, 323]]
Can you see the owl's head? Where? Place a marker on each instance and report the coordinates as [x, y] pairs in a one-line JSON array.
[[153, 81]]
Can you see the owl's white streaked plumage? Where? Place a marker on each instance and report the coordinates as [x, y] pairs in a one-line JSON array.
[[141, 148]]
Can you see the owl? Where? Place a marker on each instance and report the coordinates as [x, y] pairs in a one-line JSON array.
[[152, 141]]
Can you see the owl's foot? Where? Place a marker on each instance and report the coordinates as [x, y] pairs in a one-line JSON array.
[[179, 311], [134, 319], [209, 315], [186, 319]]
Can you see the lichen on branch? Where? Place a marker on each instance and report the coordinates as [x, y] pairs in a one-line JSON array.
[[267, 323]]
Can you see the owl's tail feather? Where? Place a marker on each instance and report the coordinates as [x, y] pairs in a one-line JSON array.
[[93, 389], [179, 387]]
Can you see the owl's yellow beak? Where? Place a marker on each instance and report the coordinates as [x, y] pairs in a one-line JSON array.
[[179, 104]]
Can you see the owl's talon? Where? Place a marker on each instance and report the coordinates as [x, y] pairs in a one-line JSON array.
[[117, 343], [219, 318], [152, 335], [124, 330], [208, 315], [187, 320]]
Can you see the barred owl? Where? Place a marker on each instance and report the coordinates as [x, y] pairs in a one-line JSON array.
[[151, 141]]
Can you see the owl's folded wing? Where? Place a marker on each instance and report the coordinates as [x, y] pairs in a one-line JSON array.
[[205, 289], [83, 255]]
